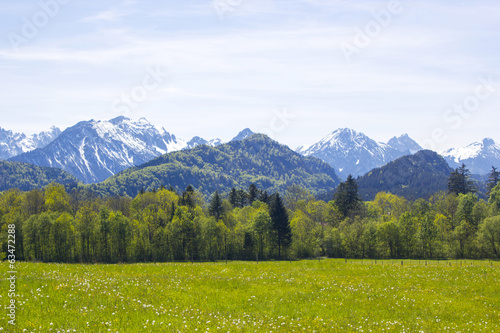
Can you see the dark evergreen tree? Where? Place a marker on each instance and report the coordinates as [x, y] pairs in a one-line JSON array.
[[253, 193], [187, 198], [216, 208], [172, 212], [248, 245], [242, 198], [103, 232], [493, 179], [346, 197], [238, 198], [460, 181], [233, 198], [280, 222], [264, 197]]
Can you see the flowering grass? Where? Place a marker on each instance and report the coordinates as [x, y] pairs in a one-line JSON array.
[[303, 296]]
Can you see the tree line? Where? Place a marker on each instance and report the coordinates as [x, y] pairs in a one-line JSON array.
[[53, 225]]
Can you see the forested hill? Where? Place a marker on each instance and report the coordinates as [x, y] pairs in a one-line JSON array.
[[413, 176], [27, 177], [257, 159]]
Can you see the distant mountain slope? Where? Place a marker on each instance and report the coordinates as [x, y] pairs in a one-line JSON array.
[[13, 144], [197, 141], [95, 150], [479, 157], [257, 159], [404, 144], [27, 177], [351, 152], [246, 133], [413, 176]]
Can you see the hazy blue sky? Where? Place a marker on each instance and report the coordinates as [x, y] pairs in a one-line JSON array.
[[212, 68]]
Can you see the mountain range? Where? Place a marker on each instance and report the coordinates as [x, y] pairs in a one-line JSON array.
[[94, 151], [351, 152], [13, 144]]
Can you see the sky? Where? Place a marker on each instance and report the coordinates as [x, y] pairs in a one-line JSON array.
[[295, 70]]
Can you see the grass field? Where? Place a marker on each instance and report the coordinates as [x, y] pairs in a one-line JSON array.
[[304, 296]]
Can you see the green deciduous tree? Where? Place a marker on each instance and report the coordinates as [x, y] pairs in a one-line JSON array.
[[389, 239], [262, 226], [466, 203], [407, 230], [489, 236], [56, 198], [294, 194], [427, 236], [62, 238], [305, 235], [120, 236], [86, 219]]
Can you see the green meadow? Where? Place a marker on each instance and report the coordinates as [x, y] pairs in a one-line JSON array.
[[299, 296]]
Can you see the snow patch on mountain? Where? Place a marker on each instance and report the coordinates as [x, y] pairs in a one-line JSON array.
[[13, 144]]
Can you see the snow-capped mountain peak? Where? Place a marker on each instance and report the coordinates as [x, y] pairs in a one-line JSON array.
[[352, 152], [479, 157], [13, 144], [95, 150]]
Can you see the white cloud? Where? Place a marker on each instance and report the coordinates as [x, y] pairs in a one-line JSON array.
[[108, 15]]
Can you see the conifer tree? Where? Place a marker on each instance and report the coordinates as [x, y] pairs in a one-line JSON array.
[[253, 193], [238, 198], [242, 198], [233, 198], [187, 198], [264, 197], [459, 181], [493, 179], [280, 222], [346, 197], [216, 208]]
